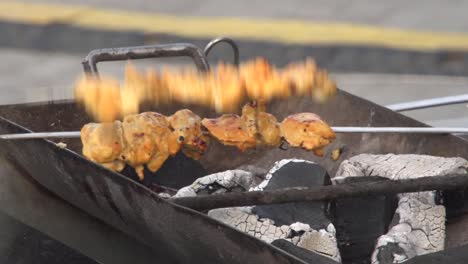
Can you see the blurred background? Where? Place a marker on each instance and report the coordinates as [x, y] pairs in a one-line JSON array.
[[384, 51]]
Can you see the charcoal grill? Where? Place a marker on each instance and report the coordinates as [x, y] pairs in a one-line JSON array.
[[186, 235]]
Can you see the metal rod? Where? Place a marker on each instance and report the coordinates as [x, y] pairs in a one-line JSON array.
[[409, 130], [420, 104], [331, 192], [71, 134], [229, 41]]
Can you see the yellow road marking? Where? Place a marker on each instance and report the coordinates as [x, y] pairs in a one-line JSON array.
[[283, 31]]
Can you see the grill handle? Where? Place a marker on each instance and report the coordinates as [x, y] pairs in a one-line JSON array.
[[143, 52], [229, 41]]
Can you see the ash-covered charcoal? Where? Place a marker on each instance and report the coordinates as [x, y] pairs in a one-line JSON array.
[[302, 235], [304, 224], [420, 229], [419, 224], [360, 221], [457, 255], [227, 181]]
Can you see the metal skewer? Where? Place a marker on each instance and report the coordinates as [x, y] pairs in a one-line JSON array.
[[427, 103], [410, 130]]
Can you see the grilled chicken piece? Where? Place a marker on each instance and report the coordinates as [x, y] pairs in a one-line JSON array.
[[308, 131], [103, 143], [148, 140], [269, 129], [253, 128], [188, 129], [261, 125], [230, 130]]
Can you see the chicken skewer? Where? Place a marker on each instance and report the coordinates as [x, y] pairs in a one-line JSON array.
[[149, 139]]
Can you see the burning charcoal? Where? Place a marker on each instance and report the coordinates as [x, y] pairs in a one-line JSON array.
[[304, 224], [419, 225], [226, 181], [301, 253], [176, 172], [360, 221], [296, 174]]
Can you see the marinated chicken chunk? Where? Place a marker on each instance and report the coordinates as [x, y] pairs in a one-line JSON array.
[[230, 130], [148, 140], [103, 143], [187, 127], [269, 129], [261, 125], [308, 131], [254, 127]]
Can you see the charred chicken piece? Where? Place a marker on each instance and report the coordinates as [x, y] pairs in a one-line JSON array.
[[308, 131], [187, 128], [148, 140], [103, 143]]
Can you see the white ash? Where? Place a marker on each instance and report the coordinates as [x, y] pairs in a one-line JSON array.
[[421, 224], [227, 179], [421, 229], [321, 241]]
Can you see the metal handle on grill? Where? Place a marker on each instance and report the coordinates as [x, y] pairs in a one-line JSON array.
[[143, 52], [229, 41]]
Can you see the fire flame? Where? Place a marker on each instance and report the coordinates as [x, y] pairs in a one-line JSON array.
[[223, 88]]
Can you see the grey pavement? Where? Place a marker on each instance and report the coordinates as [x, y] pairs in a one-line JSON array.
[[433, 15]]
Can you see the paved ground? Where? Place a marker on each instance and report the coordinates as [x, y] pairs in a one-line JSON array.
[[418, 14]]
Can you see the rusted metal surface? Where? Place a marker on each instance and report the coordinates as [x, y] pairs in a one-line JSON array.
[[143, 52]]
